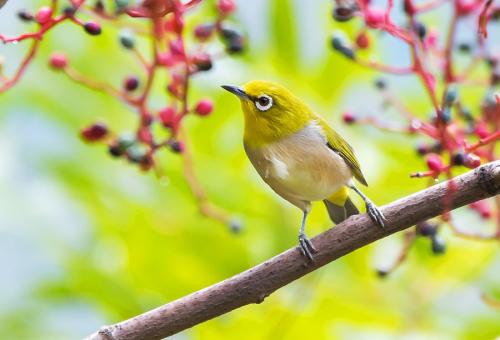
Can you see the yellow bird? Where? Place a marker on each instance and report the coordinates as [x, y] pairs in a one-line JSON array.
[[299, 155]]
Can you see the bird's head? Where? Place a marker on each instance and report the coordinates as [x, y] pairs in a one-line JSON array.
[[271, 111]]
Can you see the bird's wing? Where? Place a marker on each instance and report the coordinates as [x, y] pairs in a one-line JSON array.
[[341, 147]]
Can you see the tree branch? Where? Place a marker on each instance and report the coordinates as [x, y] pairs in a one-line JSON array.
[[255, 284]]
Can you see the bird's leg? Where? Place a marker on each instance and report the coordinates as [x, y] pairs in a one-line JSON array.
[[305, 244], [372, 210]]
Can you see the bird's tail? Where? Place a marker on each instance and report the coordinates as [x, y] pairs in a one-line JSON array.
[[340, 206]]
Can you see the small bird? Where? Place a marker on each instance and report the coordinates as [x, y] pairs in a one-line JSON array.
[[299, 155]]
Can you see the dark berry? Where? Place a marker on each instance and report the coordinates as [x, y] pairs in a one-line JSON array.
[[342, 13], [420, 29], [127, 40], [94, 132], [380, 84], [426, 228], [202, 61], [438, 245], [131, 83], [115, 150], [458, 158], [177, 146], [464, 47], [69, 11], [92, 28], [24, 15]]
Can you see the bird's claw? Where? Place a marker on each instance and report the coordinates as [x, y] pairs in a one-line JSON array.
[[375, 214], [306, 247]]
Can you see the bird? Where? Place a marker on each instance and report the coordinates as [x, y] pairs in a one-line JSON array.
[[299, 155]]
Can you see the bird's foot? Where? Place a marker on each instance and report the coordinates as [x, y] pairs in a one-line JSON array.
[[306, 247], [375, 214]]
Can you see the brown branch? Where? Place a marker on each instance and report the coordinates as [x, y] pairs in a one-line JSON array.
[[255, 284]]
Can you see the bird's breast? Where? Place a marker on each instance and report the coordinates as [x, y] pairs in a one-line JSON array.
[[301, 166]]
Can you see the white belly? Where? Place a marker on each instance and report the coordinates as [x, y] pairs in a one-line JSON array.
[[301, 167]]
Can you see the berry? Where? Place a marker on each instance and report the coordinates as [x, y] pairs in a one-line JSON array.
[[136, 153], [131, 83], [349, 118], [380, 84], [235, 225], [451, 97], [374, 17], [464, 47], [202, 61], [438, 245], [465, 7], [339, 46], [204, 107], [94, 132], [420, 29], [58, 60], [426, 228], [342, 13], [115, 150], [177, 146], [472, 161], [126, 140], [145, 135], [458, 158], [127, 40], [382, 273], [24, 15], [92, 28], [167, 116], [43, 15], [422, 149], [409, 8], [434, 162], [226, 6], [362, 40], [69, 11], [204, 31]]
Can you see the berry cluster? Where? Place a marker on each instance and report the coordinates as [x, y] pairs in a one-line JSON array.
[[173, 50], [455, 134]]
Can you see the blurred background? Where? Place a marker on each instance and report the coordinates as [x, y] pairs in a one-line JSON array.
[[87, 240]]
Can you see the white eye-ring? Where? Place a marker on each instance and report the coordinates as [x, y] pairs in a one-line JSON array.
[[263, 102]]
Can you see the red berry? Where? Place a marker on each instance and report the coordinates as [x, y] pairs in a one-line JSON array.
[[131, 83], [472, 161], [58, 60], [94, 132], [374, 17], [362, 40], [144, 135], [226, 6], [204, 31], [465, 7], [43, 15], [167, 116], [165, 59], [92, 28], [434, 162], [349, 117], [204, 107]]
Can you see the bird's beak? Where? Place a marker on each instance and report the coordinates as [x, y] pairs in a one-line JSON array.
[[238, 91]]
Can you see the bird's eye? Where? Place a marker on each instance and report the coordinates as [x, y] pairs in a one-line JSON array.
[[264, 102]]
